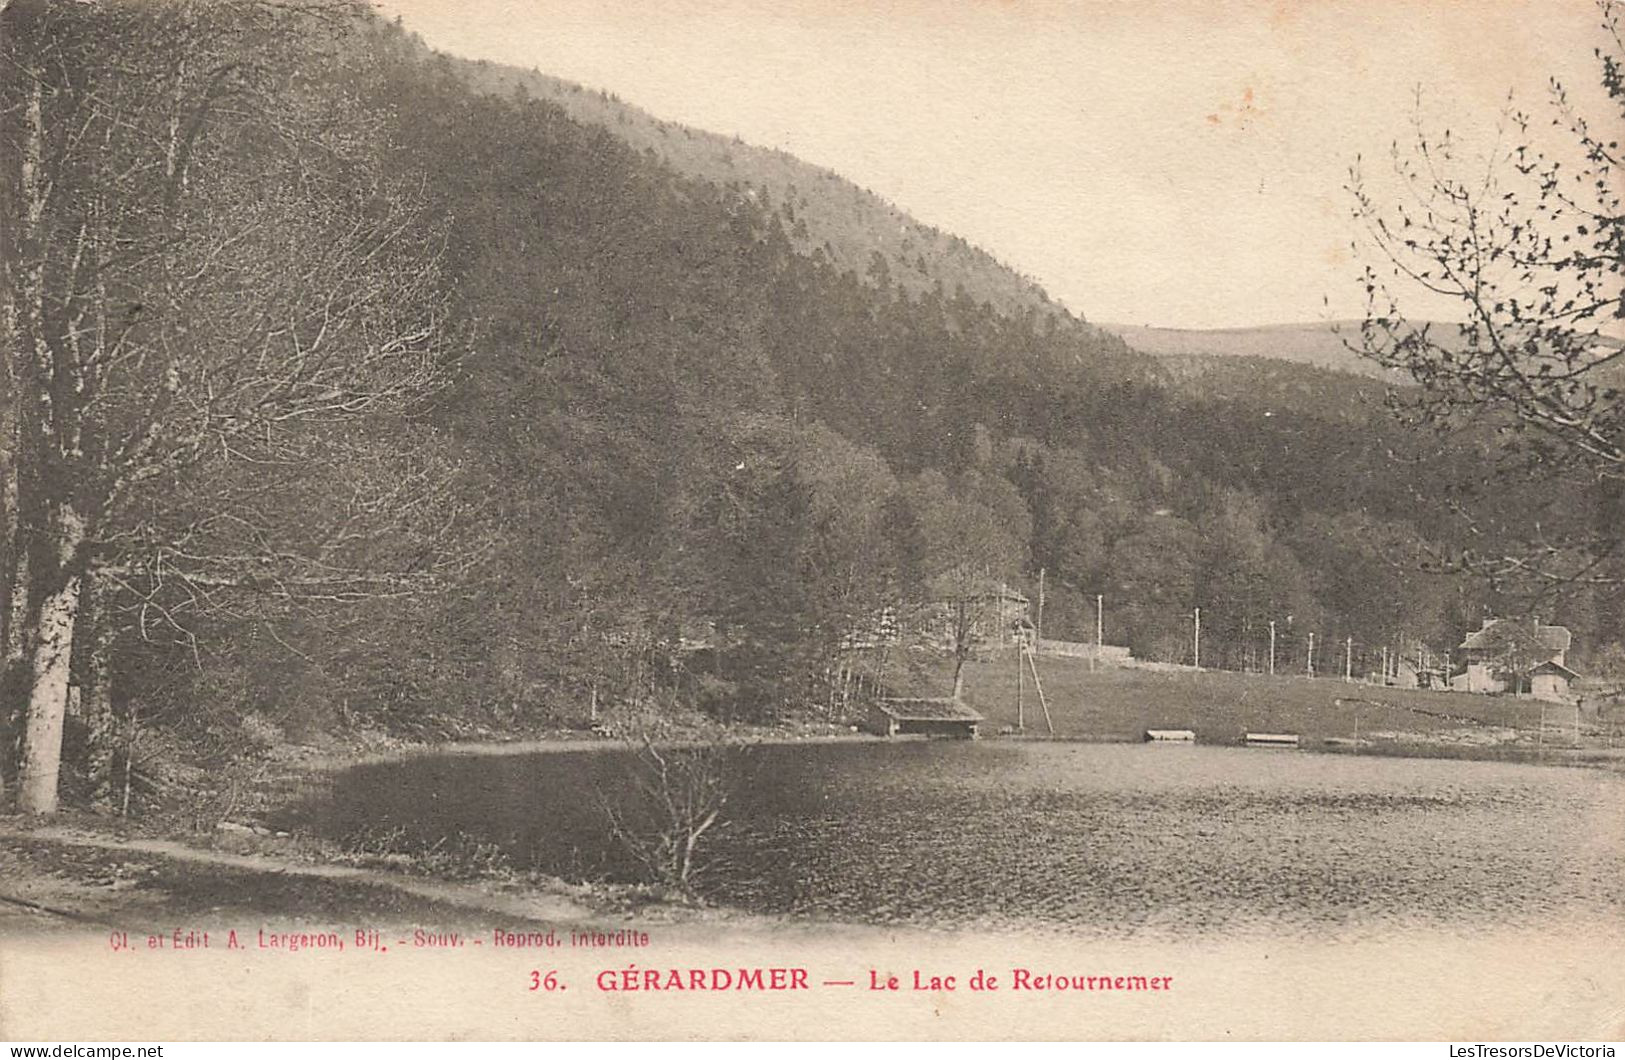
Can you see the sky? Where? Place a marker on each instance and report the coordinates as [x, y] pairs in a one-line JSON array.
[[1166, 162]]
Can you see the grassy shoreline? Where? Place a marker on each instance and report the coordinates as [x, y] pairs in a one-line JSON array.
[[1110, 705], [1119, 703]]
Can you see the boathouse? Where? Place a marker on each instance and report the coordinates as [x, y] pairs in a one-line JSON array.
[[924, 717]]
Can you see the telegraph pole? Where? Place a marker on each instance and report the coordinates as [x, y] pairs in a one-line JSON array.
[[1196, 638], [1309, 663], [1385, 664], [1272, 647], [1348, 660], [1021, 717], [1100, 629], [1038, 626]]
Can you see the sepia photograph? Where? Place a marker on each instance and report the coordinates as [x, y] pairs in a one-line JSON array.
[[809, 520]]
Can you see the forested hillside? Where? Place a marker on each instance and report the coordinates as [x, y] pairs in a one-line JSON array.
[[825, 216], [556, 423]]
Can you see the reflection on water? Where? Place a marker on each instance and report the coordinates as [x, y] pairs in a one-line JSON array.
[[1095, 838]]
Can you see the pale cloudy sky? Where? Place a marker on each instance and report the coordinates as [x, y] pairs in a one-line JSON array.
[[1166, 162]]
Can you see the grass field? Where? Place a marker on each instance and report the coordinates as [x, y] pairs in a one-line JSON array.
[[1220, 706]]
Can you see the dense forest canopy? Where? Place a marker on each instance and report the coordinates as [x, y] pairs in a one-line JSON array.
[[487, 414]]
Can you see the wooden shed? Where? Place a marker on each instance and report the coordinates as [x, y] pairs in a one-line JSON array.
[[924, 717]]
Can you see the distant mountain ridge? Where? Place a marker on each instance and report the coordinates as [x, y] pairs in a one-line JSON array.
[[1319, 345], [1330, 346]]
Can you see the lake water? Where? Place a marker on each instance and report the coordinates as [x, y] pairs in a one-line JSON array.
[[1080, 838]]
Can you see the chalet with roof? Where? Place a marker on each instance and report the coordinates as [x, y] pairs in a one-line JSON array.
[[1518, 656]]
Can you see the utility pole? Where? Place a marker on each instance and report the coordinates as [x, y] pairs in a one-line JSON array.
[[1385, 664], [1196, 639], [1309, 663], [1272, 647], [1348, 660], [1100, 629], [1003, 610], [1021, 680], [1038, 624]]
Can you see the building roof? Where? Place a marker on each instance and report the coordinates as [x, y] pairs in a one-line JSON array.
[[1552, 666], [1550, 638], [928, 710]]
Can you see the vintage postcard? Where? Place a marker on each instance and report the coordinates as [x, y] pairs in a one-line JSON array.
[[812, 519]]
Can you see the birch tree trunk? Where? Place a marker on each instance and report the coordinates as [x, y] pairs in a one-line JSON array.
[[53, 654]]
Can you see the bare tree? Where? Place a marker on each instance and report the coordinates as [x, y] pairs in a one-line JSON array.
[[971, 539], [676, 795], [211, 278], [1528, 242]]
